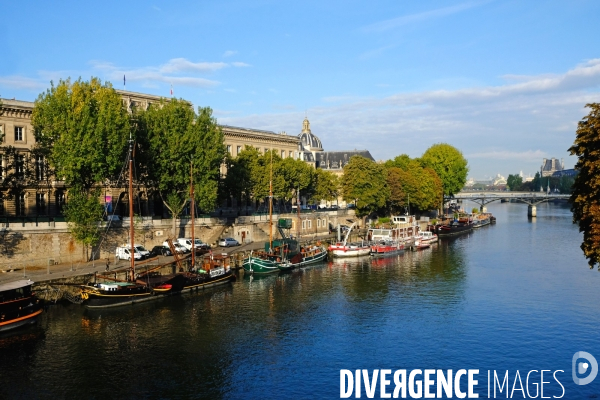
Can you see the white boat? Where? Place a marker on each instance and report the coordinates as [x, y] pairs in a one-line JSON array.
[[345, 249], [427, 237]]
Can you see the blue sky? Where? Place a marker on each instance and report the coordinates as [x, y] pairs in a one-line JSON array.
[[503, 81]]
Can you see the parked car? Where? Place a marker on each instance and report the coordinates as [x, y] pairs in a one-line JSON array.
[[228, 242], [160, 251], [124, 253], [198, 244], [178, 247]]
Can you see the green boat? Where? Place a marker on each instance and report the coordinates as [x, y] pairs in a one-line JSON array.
[[283, 254]]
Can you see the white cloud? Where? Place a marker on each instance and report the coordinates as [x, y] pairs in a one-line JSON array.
[[182, 65], [229, 53], [240, 64], [503, 128], [22, 82], [419, 17]]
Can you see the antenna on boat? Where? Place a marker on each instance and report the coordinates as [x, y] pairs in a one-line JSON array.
[[131, 232]]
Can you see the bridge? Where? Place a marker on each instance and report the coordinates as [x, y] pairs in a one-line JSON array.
[[530, 198]]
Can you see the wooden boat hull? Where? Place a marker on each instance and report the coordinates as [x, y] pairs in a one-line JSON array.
[[257, 265], [19, 306], [381, 250], [181, 283], [350, 251], [299, 261], [26, 317], [450, 230]]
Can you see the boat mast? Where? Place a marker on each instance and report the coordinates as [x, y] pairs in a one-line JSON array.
[[131, 232], [192, 205], [271, 205], [298, 212]]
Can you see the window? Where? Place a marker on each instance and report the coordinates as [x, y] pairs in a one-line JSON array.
[[20, 205], [282, 153], [239, 150], [40, 203], [18, 133], [2, 207], [291, 154], [229, 149], [60, 201], [20, 166], [303, 224], [40, 168], [266, 149], [2, 132], [309, 223], [318, 223]]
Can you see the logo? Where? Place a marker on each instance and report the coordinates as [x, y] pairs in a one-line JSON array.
[[583, 366]]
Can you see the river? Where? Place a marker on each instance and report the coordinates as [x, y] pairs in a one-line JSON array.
[[517, 295]]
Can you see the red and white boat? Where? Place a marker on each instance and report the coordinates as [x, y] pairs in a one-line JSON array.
[[420, 245], [345, 249], [387, 247], [427, 237]]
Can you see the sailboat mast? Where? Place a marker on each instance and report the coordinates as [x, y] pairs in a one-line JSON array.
[[271, 205], [298, 212], [192, 205], [131, 232]]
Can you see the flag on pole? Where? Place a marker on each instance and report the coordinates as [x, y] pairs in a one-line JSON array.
[[123, 80], [171, 90]]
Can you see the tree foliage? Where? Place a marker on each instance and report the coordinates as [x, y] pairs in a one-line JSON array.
[[364, 181], [585, 199], [171, 135], [449, 164], [514, 182], [83, 128], [82, 212], [325, 186], [420, 187]]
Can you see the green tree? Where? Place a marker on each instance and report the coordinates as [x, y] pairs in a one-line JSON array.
[[402, 161], [514, 182], [238, 182], [171, 135], [82, 212], [325, 186], [364, 181], [449, 164], [536, 184], [396, 182], [83, 129], [585, 198]]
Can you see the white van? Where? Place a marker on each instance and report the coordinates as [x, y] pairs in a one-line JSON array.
[[140, 252], [187, 243], [124, 253], [179, 248]]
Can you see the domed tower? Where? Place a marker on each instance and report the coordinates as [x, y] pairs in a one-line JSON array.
[[309, 141]]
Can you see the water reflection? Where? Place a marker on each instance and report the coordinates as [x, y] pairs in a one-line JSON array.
[[461, 303]]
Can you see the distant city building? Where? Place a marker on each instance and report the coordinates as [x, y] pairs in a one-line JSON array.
[[550, 166]]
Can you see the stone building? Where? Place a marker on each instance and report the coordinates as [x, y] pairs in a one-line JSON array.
[[333, 161], [551, 166]]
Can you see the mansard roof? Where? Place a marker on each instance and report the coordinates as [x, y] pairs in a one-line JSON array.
[[337, 159]]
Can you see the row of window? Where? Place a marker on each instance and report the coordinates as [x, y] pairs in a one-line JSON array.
[[41, 205], [307, 223], [40, 167], [240, 148], [19, 133]]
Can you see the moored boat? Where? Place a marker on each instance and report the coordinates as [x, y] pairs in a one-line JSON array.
[[345, 249], [19, 306], [386, 248], [452, 227], [427, 237]]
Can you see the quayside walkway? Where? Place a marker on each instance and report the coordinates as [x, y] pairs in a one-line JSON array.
[[530, 198]]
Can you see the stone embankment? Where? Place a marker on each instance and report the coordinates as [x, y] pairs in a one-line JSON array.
[[58, 281]]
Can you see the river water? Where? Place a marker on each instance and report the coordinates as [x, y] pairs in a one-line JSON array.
[[517, 295]]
